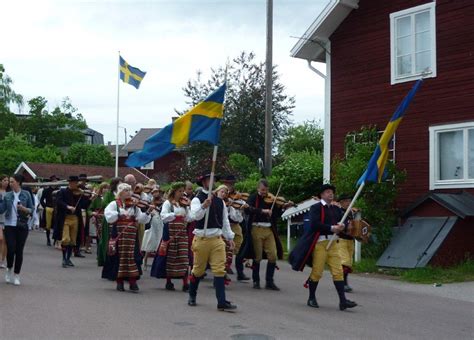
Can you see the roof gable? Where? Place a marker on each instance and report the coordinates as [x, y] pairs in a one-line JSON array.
[[460, 204], [137, 142]]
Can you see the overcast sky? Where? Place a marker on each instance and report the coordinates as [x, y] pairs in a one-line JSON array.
[[70, 48]]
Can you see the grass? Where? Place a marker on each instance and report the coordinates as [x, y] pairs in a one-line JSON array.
[[460, 273]]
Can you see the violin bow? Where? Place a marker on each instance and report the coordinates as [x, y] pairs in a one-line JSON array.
[[274, 200]]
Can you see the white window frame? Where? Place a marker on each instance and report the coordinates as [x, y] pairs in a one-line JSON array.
[[435, 182], [148, 166], [394, 79]]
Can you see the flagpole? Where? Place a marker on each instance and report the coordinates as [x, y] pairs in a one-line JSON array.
[[348, 210], [117, 127]]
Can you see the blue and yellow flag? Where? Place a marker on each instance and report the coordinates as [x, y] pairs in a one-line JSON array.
[[201, 123], [376, 167], [130, 75]]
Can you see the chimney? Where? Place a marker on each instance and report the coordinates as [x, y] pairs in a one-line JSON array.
[[109, 143]]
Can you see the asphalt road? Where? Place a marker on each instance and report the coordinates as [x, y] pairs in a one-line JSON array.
[[74, 303]]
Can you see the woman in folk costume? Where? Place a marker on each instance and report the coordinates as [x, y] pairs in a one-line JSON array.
[[108, 197], [172, 261], [124, 217], [96, 212]]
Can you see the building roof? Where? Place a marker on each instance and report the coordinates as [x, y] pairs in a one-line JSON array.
[[461, 204], [312, 45], [39, 171], [137, 142], [122, 152], [299, 209], [97, 137]]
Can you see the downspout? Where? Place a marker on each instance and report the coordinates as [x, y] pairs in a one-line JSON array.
[[327, 112]]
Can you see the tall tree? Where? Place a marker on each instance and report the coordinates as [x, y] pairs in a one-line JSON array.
[[7, 94], [244, 115], [306, 136], [86, 154]]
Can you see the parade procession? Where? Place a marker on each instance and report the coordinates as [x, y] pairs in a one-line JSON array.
[[329, 194]]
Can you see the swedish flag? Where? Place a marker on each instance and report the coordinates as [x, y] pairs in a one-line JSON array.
[[376, 166], [201, 123], [129, 74]]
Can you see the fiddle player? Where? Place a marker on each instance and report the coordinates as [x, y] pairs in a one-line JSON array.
[[262, 236], [235, 218], [69, 203], [47, 203]]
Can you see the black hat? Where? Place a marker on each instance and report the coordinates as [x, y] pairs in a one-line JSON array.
[[326, 187], [229, 178], [83, 177], [53, 178], [73, 179], [344, 197], [204, 176]]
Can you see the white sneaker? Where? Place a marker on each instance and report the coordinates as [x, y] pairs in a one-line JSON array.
[[16, 280], [3, 265], [8, 276]]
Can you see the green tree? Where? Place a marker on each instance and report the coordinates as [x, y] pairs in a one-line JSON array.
[[86, 154], [307, 136], [61, 127], [7, 94], [14, 149], [241, 166], [244, 113]]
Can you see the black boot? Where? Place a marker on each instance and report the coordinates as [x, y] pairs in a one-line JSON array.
[[347, 288], [64, 257], [312, 285], [120, 287], [343, 302], [239, 266], [193, 287], [222, 303], [48, 239], [270, 284], [256, 274], [68, 256]]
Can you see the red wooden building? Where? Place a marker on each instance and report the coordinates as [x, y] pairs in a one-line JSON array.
[[370, 53]]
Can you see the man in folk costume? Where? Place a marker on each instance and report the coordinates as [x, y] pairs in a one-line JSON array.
[[83, 229], [262, 235], [346, 242], [236, 218], [123, 215], [311, 248], [48, 209], [208, 245], [69, 204]]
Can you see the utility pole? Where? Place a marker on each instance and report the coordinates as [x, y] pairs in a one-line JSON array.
[[269, 87]]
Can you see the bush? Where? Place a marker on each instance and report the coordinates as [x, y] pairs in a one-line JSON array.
[[241, 165], [377, 199], [86, 154]]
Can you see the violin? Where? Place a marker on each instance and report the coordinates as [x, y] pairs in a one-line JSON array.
[[139, 203], [279, 201], [236, 196], [237, 204], [85, 193]]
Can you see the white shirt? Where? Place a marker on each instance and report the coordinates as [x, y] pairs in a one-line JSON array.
[[198, 213], [11, 221], [111, 214], [169, 212], [235, 214]]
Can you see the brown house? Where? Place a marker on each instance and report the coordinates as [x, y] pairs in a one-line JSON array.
[[372, 52], [164, 169], [40, 172]]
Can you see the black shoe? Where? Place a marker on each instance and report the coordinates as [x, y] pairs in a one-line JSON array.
[[64, 264], [271, 286], [170, 286], [348, 304], [78, 255], [347, 289], [226, 306], [192, 301], [242, 278], [48, 243], [134, 288], [256, 285], [69, 263], [120, 287], [229, 271], [186, 288], [313, 303]]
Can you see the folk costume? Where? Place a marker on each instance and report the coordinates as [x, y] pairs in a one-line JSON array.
[[262, 240], [311, 250], [208, 246], [69, 223], [48, 204], [105, 230], [126, 263], [172, 261]]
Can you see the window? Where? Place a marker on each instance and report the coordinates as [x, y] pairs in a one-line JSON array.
[[413, 43], [148, 166], [452, 156], [88, 139]]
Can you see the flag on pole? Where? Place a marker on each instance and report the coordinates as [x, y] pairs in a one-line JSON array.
[[376, 166], [201, 123], [130, 75]]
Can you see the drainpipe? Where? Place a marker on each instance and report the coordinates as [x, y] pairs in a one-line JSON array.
[[327, 112]]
